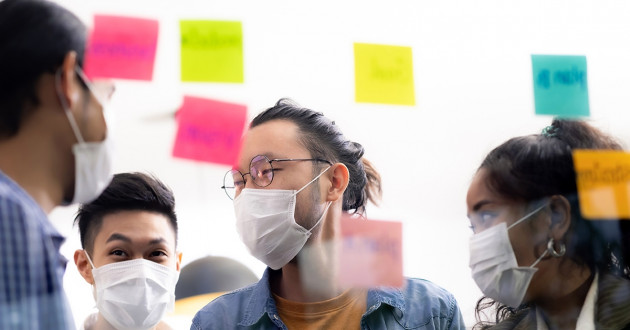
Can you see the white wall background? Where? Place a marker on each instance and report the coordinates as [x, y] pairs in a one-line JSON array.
[[473, 89]]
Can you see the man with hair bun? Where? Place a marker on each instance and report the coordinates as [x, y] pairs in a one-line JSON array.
[[296, 176]]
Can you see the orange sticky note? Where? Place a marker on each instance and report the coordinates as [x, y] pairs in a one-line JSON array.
[[371, 253], [209, 130], [121, 47], [603, 181]]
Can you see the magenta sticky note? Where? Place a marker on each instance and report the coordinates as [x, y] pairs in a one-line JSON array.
[[209, 130], [371, 253], [121, 47]]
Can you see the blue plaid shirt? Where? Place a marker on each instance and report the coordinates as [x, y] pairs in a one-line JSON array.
[[31, 267]]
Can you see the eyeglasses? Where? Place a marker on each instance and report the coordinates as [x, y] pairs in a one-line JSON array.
[[102, 90], [260, 170]]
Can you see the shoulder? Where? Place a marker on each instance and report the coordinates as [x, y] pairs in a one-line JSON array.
[[226, 310], [422, 292], [425, 304], [16, 205]]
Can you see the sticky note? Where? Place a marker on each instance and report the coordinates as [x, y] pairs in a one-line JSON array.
[[371, 253], [121, 47], [209, 130], [560, 85], [603, 181], [383, 74], [211, 51]]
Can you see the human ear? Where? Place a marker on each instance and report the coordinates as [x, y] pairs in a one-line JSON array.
[[339, 178], [560, 217], [179, 261], [67, 86], [84, 266]]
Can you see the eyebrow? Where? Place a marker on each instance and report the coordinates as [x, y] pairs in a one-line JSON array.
[[480, 204], [121, 237], [157, 241], [118, 237]]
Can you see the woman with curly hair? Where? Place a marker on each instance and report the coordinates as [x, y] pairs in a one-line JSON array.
[[539, 263]]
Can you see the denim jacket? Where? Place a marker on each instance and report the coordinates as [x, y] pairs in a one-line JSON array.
[[420, 304]]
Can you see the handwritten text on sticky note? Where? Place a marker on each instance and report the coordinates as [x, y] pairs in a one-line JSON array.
[[209, 130], [603, 179], [121, 47], [383, 74], [560, 85], [211, 51], [371, 253]]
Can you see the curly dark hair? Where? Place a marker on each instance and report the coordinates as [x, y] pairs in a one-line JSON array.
[[531, 168]]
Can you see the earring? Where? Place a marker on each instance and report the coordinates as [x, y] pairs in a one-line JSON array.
[[552, 250]]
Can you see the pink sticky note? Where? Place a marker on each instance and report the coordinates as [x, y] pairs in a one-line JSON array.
[[121, 47], [371, 253], [209, 130]]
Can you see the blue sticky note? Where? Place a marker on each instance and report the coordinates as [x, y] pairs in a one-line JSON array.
[[560, 85]]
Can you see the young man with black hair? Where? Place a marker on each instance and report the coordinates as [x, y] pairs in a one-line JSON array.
[[53, 151], [129, 237]]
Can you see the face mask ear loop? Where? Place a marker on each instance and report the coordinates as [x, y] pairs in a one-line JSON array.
[[66, 108], [317, 177], [88, 258], [526, 216], [539, 258], [321, 218]]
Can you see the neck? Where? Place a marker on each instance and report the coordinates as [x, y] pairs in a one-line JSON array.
[[312, 275], [32, 160], [102, 324], [563, 310]]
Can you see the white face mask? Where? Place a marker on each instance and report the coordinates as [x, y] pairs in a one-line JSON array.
[[265, 221], [134, 294], [93, 160], [494, 267]]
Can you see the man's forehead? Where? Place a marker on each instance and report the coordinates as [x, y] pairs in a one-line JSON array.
[[136, 226], [274, 139]]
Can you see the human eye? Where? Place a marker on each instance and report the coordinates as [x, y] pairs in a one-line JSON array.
[[158, 254], [118, 253], [266, 171], [238, 184], [482, 219], [487, 216]]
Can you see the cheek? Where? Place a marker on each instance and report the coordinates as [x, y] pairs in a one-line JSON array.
[[95, 123], [525, 244]]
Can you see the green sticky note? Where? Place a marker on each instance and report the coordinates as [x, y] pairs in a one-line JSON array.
[[560, 85], [211, 51], [383, 74]]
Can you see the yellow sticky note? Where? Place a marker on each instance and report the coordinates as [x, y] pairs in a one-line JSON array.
[[603, 181], [383, 74], [211, 51]]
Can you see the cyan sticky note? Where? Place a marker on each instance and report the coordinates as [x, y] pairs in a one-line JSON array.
[[383, 74], [211, 51], [560, 85]]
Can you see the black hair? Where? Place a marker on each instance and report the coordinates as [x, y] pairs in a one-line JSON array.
[[35, 36], [534, 167], [323, 139], [126, 192]]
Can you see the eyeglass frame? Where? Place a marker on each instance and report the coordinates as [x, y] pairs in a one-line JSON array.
[[270, 161]]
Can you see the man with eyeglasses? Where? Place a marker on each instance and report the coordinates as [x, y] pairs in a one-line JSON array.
[[53, 151], [296, 175]]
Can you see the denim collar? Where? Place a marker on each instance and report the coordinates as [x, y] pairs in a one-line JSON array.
[[261, 301]]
